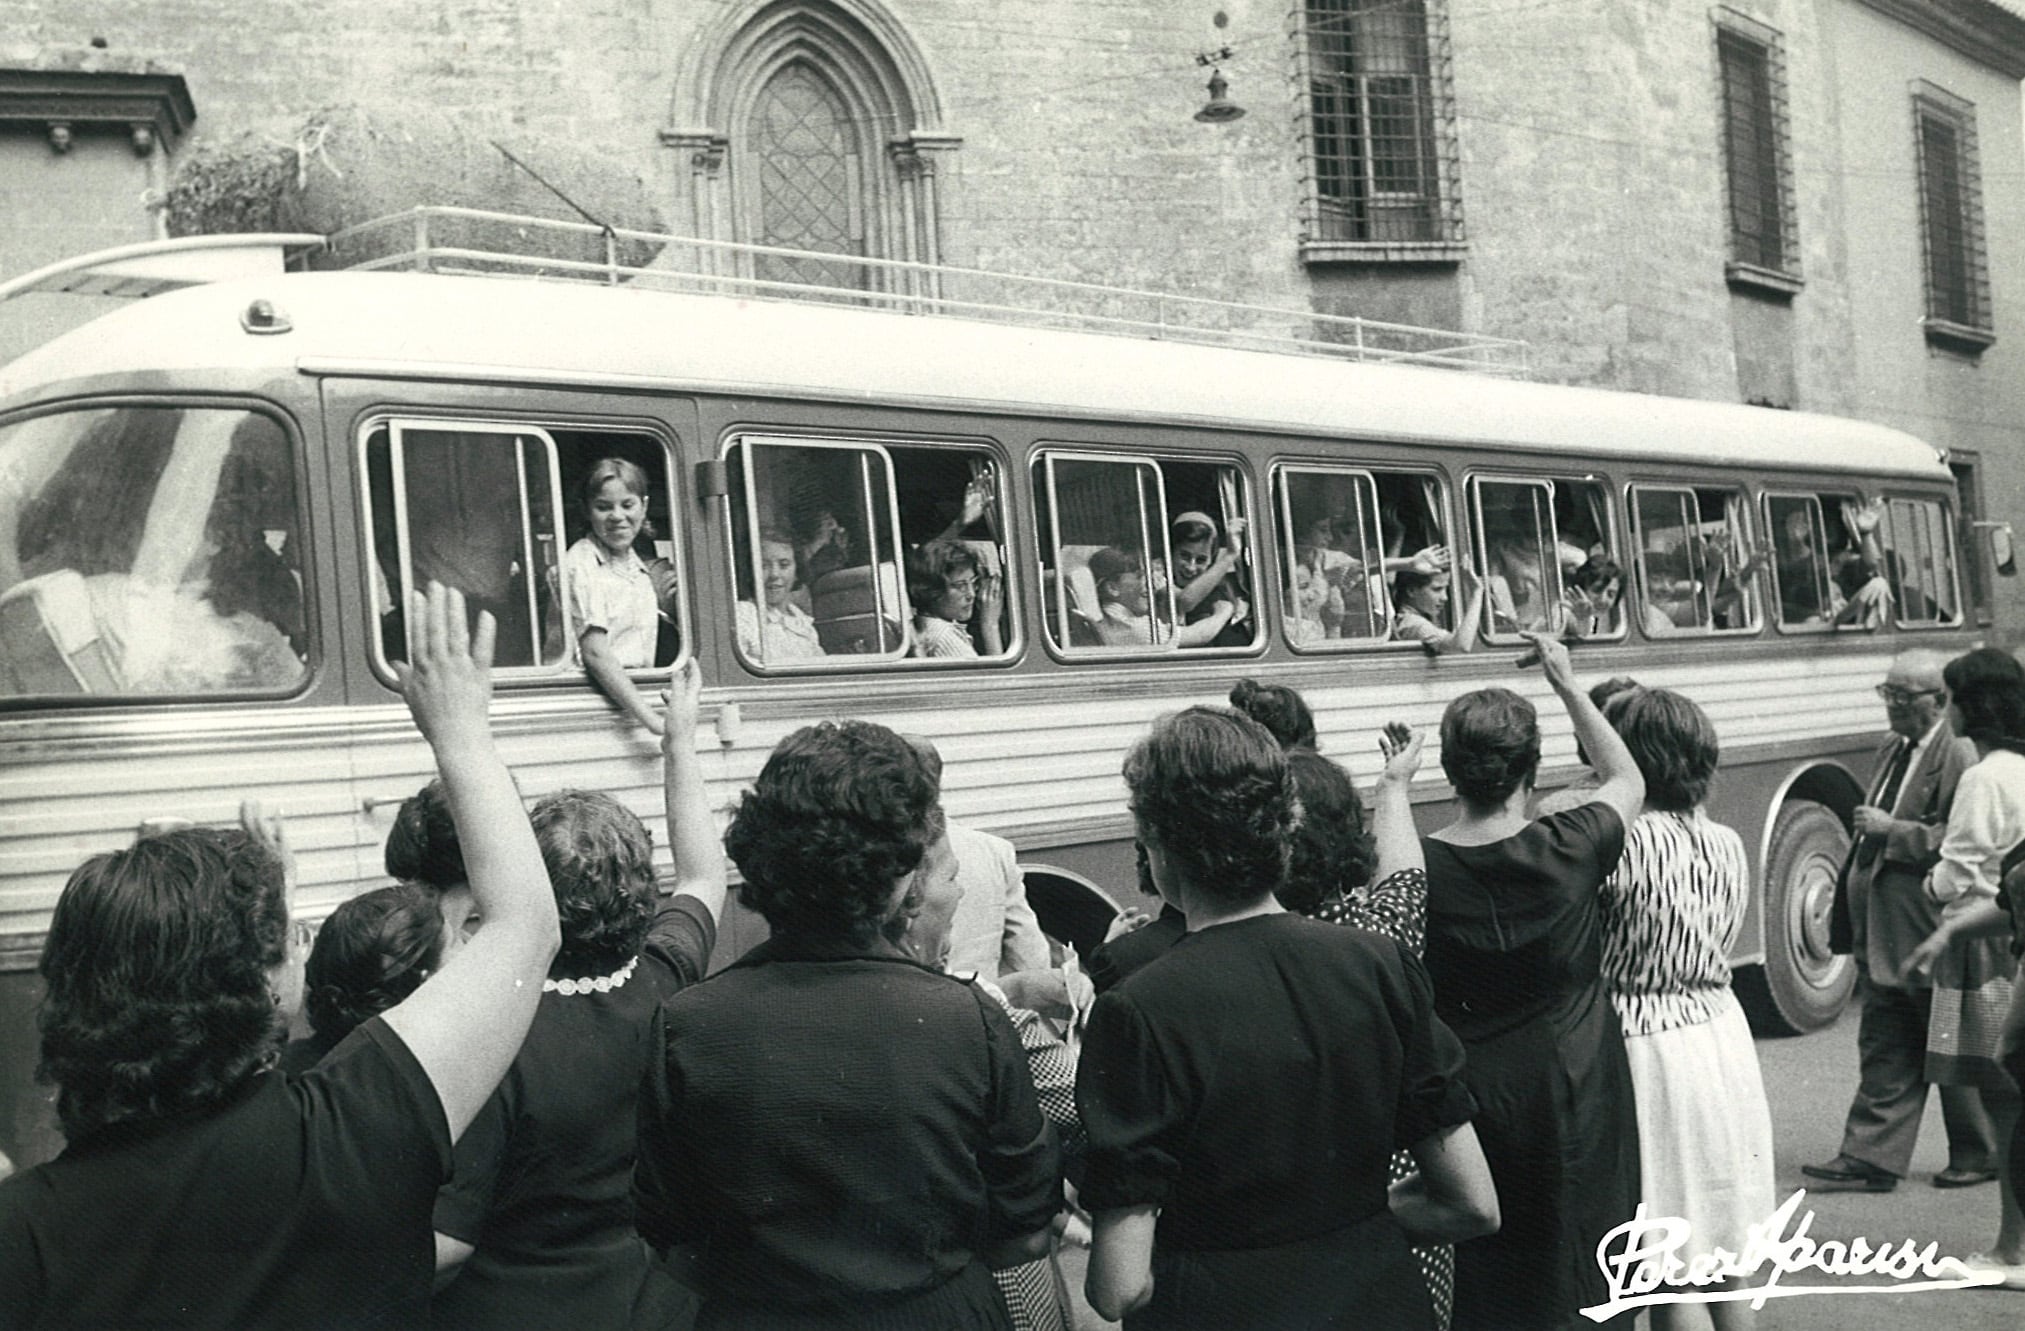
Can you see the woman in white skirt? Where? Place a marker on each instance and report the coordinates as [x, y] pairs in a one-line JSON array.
[[1670, 913]]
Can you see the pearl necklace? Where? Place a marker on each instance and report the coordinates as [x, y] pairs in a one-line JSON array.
[[603, 984]]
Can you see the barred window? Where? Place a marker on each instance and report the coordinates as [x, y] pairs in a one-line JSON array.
[[1751, 61], [1380, 129], [1951, 220]]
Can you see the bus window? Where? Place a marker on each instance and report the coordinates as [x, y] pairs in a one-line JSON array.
[[1547, 556], [952, 518], [476, 507], [815, 530], [150, 550], [1696, 569], [1827, 562], [1209, 544], [599, 586], [1367, 558], [1919, 558], [1104, 558]]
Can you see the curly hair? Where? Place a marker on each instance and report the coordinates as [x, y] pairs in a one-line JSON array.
[[930, 568], [1211, 790], [841, 812], [1490, 745], [156, 976], [1988, 686], [1333, 853], [371, 953], [600, 862], [423, 846], [1281, 710], [1673, 742]]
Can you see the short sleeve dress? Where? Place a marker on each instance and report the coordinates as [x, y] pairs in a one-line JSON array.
[[1515, 948], [1252, 1082], [614, 593]]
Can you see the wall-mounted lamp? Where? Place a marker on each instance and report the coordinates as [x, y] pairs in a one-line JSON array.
[[1219, 109]]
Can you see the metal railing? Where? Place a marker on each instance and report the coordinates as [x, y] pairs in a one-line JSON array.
[[477, 242]]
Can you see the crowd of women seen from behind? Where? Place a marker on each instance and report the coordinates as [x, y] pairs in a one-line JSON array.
[[1350, 1076]]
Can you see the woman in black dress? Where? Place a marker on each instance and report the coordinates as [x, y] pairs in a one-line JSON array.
[[1243, 1093], [1514, 945], [833, 1134]]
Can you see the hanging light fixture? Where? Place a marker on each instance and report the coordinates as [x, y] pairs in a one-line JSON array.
[[1219, 109]]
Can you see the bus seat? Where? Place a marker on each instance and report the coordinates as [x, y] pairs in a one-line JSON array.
[[49, 638], [1082, 628], [845, 605]]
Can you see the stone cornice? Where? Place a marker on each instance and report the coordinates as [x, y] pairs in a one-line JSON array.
[[1985, 32], [140, 98]]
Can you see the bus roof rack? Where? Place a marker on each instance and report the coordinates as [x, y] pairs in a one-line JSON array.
[[153, 267], [475, 242]]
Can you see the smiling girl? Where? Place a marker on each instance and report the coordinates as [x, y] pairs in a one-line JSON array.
[[615, 603]]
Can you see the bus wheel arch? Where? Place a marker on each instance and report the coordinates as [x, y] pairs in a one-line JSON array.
[[1071, 908], [1802, 985]]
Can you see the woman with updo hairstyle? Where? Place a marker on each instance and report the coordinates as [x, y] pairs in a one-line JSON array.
[[1281, 710], [1671, 911], [834, 1134], [1514, 944], [422, 849], [537, 1218], [371, 953], [1243, 1092]]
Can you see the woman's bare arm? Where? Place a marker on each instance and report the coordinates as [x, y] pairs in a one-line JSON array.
[[1395, 837], [1620, 784], [1452, 1198], [1120, 1278], [466, 1022], [611, 678], [692, 832]]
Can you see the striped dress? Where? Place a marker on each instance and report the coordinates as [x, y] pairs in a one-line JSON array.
[[1671, 910]]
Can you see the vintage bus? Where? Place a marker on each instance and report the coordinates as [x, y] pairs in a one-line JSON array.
[[212, 499]]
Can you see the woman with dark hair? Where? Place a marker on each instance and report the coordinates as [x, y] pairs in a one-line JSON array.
[[422, 850], [1279, 709], [1671, 911], [200, 1188], [1514, 945], [537, 1220], [948, 586], [1257, 1196], [371, 953], [812, 1168], [1973, 972]]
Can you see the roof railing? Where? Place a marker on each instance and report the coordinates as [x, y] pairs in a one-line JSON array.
[[469, 241]]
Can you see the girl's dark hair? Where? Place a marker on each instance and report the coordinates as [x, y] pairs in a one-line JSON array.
[[1409, 580], [1672, 740], [1211, 788], [1490, 745], [371, 953], [1988, 686], [423, 846], [841, 812], [600, 862], [1596, 573], [930, 568], [156, 976], [1333, 855], [1281, 710]]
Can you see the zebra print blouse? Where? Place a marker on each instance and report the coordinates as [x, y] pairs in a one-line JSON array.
[[1671, 909]]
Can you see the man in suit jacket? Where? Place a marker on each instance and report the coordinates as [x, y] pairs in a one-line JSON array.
[[994, 932], [1899, 831]]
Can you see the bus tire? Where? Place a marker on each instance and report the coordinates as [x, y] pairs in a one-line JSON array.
[[1802, 985], [1071, 908]]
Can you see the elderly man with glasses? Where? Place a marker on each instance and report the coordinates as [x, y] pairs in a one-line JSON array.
[[1881, 914]]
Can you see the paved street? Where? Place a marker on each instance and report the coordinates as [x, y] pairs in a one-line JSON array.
[[1808, 1081]]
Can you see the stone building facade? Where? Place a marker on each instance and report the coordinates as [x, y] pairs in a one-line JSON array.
[[1564, 173]]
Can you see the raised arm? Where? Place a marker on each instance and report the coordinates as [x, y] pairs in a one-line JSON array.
[[466, 1022], [1620, 784], [692, 832], [1392, 830]]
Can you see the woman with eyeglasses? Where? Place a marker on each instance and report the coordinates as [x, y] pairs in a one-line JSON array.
[[950, 588]]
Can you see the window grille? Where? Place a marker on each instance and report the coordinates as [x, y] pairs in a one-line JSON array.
[[1951, 220], [1379, 127], [1764, 242]]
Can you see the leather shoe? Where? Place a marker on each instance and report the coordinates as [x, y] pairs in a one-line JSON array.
[[1852, 1173], [1952, 1177]]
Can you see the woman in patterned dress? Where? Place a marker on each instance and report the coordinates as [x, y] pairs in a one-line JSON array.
[[1671, 910]]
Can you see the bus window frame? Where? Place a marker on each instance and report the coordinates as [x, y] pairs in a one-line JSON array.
[[1765, 497], [315, 658], [1044, 456], [1551, 482], [1948, 520], [1276, 483], [1444, 494], [1636, 530]]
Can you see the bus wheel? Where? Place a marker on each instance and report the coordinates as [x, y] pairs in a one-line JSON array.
[[1802, 986]]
